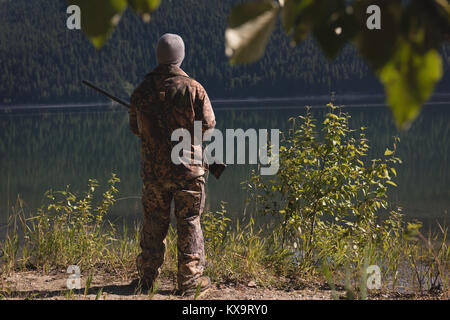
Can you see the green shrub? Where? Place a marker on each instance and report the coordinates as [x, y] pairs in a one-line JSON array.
[[71, 229], [326, 191]]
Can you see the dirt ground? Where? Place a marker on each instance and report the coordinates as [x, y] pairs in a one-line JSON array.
[[33, 285]]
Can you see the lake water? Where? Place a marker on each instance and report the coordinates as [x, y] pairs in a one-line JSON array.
[[51, 147]]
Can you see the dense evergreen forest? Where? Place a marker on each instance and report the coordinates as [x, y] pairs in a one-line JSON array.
[[41, 61]]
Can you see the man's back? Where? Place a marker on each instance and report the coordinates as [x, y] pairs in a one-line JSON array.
[[167, 100]]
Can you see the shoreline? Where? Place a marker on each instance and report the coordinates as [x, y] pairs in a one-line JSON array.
[[376, 100], [114, 107]]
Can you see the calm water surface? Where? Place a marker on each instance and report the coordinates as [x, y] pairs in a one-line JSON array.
[[50, 148]]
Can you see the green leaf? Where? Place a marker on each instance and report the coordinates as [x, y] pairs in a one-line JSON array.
[[391, 183], [394, 172], [443, 5], [336, 28], [99, 17], [293, 11], [427, 23], [249, 28], [409, 79], [144, 7], [388, 152], [378, 46], [299, 17]]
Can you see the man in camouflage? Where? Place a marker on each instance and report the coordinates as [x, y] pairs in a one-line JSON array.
[[167, 100]]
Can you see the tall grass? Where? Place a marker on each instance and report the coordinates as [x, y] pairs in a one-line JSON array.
[[73, 230], [69, 229]]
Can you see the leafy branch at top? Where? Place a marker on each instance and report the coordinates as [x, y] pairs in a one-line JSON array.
[[100, 17], [403, 52]]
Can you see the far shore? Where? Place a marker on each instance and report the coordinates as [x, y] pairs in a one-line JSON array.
[[316, 101]]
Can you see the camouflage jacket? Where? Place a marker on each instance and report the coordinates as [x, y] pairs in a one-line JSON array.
[[167, 100]]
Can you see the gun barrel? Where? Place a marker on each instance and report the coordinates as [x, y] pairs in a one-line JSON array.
[[120, 101]]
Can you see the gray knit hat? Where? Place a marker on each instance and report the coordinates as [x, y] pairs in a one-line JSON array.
[[170, 49]]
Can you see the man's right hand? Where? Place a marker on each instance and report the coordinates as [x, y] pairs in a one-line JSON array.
[[216, 169]]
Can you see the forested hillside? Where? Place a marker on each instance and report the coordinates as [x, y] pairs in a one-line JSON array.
[[41, 61]]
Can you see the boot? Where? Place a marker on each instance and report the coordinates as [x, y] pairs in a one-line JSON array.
[[142, 285], [203, 284]]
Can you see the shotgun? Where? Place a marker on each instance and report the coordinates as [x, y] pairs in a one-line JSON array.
[[216, 168]]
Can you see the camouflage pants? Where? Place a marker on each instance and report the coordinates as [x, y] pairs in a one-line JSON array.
[[189, 197]]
